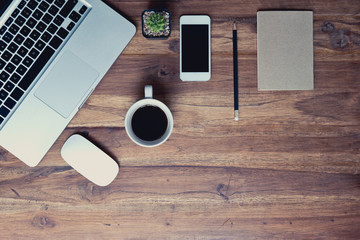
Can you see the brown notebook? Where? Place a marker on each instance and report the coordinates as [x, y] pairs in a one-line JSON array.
[[285, 50]]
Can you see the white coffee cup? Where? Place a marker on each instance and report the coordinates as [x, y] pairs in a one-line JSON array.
[[149, 122]]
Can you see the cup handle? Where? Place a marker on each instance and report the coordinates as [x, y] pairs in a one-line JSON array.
[[148, 91]]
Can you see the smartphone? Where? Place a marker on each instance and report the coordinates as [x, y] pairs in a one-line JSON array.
[[195, 48]]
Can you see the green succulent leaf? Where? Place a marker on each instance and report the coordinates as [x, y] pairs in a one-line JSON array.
[[156, 22]]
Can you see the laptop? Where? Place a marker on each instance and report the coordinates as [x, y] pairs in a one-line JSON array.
[[53, 53]]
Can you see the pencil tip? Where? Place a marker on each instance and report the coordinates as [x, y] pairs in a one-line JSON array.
[[234, 25]]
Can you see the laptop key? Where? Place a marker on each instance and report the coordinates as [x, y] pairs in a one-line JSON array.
[[22, 51], [29, 43], [25, 31], [13, 47], [70, 26], [68, 7], [46, 37], [47, 18], [3, 94], [40, 45], [4, 111], [10, 68], [36, 68], [4, 76], [16, 59], [19, 39], [3, 45], [31, 22], [17, 93], [13, 29], [53, 10], [41, 26], [55, 42], [43, 6], [9, 86], [22, 4], [83, 9], [2, 64], [3, 30], [20, 21], [28, 61], [9, 21], [34, 53], [32, 4], [34, 35], [52, 28], [26, 12], [37, 14], [15, 13], [8, 37], [62, 33], [75, 16], [15, 78], [6, 55], [58, 20], [21, 70], [9, 103], [59, 3]]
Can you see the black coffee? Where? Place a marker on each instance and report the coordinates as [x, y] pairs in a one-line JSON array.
[[149, 123]]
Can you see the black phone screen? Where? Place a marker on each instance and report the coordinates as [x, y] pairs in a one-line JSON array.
[[195, 48]]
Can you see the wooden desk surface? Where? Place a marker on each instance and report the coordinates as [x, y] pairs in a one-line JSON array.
[[288, 169]]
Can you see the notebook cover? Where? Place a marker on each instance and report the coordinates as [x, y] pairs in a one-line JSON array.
[[285, 50]]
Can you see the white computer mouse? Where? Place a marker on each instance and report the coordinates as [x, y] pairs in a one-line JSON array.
[[89, 160]]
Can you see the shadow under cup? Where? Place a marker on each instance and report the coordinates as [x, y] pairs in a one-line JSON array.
[[149, 122]]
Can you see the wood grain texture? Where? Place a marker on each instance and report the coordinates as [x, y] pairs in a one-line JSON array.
[[288, 169]]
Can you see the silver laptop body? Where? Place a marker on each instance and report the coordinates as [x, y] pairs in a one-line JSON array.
[[58, 92]]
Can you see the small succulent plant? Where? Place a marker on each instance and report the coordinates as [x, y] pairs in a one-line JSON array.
[[156, 22]]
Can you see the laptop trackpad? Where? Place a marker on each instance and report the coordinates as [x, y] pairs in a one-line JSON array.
[[66, 84]]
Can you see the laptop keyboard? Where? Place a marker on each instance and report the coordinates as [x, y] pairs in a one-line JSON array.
[[30, 37]]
